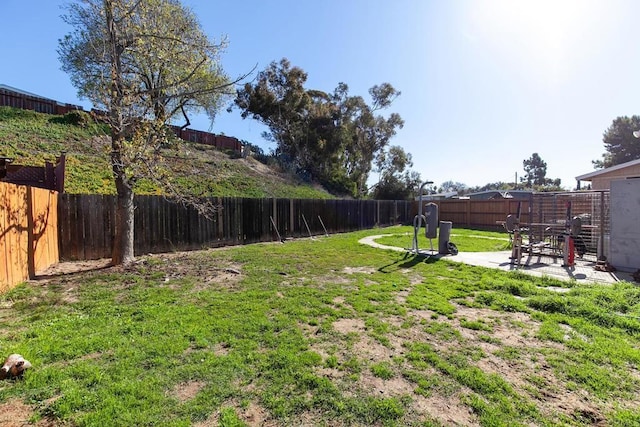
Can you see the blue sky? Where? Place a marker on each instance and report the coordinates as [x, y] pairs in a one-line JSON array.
[[485, 83]]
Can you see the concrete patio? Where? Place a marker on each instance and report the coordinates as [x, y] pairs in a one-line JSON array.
[[582, 272]]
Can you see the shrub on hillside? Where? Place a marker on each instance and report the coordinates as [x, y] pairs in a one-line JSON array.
[[76, 118]]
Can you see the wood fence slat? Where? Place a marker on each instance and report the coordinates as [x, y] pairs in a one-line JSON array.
[[155, 234], [6, 280], [44, 246], [20, 234], [142, 229], [92, 228], [108, 215], [28, 232], [76, 235], [63, 229], [97, 227], [153, 224]]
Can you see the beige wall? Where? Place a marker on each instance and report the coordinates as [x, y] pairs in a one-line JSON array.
[[603, 182], [624, 247]]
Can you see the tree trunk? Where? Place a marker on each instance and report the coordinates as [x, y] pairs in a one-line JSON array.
[[122, 251]]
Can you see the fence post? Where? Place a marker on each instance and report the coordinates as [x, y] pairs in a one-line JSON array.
[[291, 219], [395, 211], [31, 262], [275, 210], [600, 249]]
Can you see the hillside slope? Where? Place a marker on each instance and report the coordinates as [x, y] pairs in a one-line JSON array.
[[30, 138]]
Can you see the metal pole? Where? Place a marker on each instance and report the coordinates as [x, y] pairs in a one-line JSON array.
[[275, 228], [306, 225], [416, 228], [323, 227]]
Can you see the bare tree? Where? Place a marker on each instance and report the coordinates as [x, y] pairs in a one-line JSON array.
[[145, 62]]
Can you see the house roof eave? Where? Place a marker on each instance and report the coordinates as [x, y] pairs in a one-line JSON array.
[[588, 176]]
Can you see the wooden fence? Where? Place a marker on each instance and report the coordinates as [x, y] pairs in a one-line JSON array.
[[38, 227], [483, 214], [591, 206], [86, 222], [28, 232]]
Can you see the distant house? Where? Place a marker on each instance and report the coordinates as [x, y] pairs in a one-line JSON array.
[[438, 196], [501, 194], [601, 179], [519, 194]]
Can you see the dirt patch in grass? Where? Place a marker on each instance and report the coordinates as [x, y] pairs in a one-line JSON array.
[[362, 270], [509, 329], [335, 278], [507, 346], [69, 268], [422, 314], [414, 279], [346, 326], [516, 331], [184, 392], [337, 301], [14, 413], [378, 387], [174, 265], [401, 297], [179, 265], [251, 414], [369, 349], [333, 373], [446, 409]]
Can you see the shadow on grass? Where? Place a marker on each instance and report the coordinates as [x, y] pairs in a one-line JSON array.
[[409, 260]]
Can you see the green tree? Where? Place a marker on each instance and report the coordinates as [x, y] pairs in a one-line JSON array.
[[144, 62], [460, 187], [491, 186], [535, 171], [620, 144], [332, 138], [535, 176], [363, 133], [397, 181]]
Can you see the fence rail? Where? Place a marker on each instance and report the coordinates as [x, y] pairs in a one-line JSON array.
[[28, 232]]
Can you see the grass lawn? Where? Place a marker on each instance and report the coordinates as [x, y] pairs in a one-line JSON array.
[[465, 240], [320, 332]]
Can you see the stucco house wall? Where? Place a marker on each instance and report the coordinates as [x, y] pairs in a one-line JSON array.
[[625, 224]]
